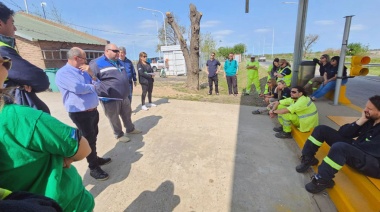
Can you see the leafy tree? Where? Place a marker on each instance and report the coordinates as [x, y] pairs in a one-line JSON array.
[[224, 51], [208, 44], [239, 48], [357, 49]]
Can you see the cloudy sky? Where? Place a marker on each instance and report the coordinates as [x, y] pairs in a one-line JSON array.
[[121, 21]]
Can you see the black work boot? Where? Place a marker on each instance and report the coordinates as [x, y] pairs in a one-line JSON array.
[[283, 134], [306, 162], [103, 161], [99, 174], [277, 129], [318, 184]]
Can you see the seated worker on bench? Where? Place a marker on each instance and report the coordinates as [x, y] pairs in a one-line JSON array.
[[298, 110], [362, 154]]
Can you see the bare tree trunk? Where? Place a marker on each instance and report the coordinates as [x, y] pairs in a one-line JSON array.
[[191, 56]]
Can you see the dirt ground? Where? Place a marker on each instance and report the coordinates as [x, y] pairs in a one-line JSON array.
[[174, 87]]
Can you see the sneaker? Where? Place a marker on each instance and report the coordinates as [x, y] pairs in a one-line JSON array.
[[135, 132], [306, 162], [99, 174], [318, 184], [124, 139], [283, 135], [152, 105], [103, 161], [256, 112], [209, 93], [217, 94], [144, 107], [277, 129]]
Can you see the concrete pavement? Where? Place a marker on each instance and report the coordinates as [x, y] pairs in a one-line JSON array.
[[198, 156]]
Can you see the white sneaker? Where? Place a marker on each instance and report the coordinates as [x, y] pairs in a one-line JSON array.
[[144, 107], [124, 139], [152, 105]]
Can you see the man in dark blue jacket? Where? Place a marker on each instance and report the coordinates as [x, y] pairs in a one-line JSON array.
[[362, 154], [113, 91], [128, 65], [26, 77]]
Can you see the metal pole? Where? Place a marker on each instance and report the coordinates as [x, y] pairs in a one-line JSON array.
[[43, 8], [26, 6], [299, 39], [158, 39], [342, 58], [163, 19]]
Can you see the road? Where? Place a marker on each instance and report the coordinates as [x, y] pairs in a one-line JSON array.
[[359, 89]]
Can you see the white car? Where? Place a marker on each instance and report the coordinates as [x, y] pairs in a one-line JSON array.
[[262, 59], [160, 64]]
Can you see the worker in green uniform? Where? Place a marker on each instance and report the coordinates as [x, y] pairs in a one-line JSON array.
[[298, 110], [252, 76]]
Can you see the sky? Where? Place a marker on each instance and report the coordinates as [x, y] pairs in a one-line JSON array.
[[269, 23]]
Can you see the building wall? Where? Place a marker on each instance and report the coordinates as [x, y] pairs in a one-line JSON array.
[[30, 51], [53, 58]]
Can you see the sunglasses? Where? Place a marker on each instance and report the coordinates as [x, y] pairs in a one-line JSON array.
[[144, 56], [114, 50], [293, 91], [322, 58], [7, 62]]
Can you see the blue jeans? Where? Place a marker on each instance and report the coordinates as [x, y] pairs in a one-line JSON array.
[[324, 89]]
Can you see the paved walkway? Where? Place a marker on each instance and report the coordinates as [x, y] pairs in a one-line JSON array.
[[197, 156]]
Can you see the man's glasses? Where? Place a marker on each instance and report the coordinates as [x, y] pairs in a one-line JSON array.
[[293, 91], [114, 50], [7, 62], [83, 58]]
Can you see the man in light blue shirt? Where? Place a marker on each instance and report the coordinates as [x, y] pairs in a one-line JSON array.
[[76, 82]]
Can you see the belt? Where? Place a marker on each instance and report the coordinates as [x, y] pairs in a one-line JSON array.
[[89, 110]]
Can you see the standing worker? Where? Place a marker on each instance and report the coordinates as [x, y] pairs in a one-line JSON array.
[[146, 79], [128, 65], [252, 76], [213, 66], [230, 72]]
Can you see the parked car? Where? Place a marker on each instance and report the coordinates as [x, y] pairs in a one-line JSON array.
[[262, 59], [156, 66]]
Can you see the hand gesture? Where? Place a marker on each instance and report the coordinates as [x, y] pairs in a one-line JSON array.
[[135, 83], [87, 69]]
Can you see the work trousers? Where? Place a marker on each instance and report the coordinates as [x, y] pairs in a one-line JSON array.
[[253, 78], [287, 119], [212, 80], [324, 89], [87, 123], [313, 84], [130, 91], [342, 151], [114, 109], [232, 84], [146, 88]]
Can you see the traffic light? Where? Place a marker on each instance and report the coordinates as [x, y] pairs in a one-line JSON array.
[[357, 63]]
